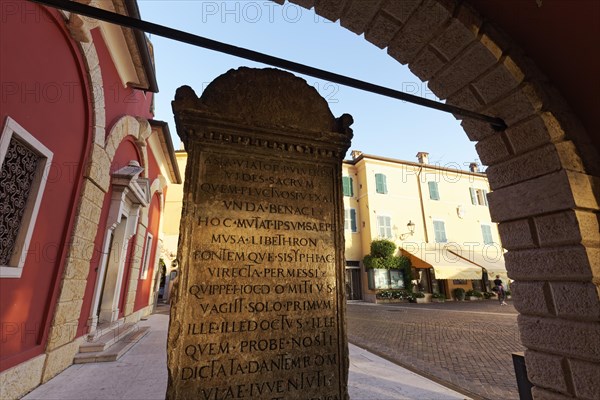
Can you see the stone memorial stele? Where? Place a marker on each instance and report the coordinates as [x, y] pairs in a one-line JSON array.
[[259, 308]]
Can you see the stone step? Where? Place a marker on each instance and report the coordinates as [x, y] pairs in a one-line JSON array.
[[107, 339], [114, 352]]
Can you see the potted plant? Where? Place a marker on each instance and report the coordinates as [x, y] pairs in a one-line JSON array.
[[438, 297], [488, 295], [420, 297], [473, 294], [459, 294], [508, 294]]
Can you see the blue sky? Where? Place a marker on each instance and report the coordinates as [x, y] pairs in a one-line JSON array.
[[382, 126]]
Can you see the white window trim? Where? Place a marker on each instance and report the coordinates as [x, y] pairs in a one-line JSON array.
[[12, 128], [378, 226], [480, 196], [146, 260]]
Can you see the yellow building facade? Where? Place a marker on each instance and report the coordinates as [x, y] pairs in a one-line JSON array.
[[437, 216]]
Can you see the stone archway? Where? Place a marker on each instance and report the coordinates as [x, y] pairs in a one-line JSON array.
[[544, 176]]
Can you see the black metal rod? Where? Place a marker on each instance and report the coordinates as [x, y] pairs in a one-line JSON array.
[[199, 41]]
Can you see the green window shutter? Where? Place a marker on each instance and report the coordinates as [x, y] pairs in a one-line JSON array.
[[347, 186], [439, 230], [473, 196], [433, 191], [486, 231], [353, 220], [485, 197], [380, 184]]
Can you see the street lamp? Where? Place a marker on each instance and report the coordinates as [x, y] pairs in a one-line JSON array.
[[411, 231]]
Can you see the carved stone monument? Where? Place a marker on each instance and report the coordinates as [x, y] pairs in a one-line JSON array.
[[259, 307]]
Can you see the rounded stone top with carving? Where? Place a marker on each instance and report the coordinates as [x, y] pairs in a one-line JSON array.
[[265, 97]]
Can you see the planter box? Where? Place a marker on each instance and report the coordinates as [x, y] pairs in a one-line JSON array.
[[390, 301], [438, 300], [421, 300], [474, 298]]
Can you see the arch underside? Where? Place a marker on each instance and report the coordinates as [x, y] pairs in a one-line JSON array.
[[542, 169]]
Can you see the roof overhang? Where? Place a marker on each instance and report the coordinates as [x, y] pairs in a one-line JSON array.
[[164, 136], [130, 51]]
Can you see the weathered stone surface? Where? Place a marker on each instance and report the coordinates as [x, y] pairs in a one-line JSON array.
[[358, 14], [382, 29], [516, 235], [529, 298], [17, 381], [580, 340], [576, 300], [571, 263], [586, 379], [419, 29], [59, 359], [259, 307], [543, 369]]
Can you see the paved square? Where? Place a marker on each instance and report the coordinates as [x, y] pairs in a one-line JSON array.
[[464, 345]]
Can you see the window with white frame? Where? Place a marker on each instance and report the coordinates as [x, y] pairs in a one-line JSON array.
[[486, 231], [350, 220], [439, 230], [384, 226], [146, 259], [24, 163], [478, 196], [385, 279]]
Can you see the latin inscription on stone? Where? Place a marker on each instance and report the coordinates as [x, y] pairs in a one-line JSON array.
[[258, 312]]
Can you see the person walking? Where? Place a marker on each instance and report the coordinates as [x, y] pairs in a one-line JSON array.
[[500, 290]]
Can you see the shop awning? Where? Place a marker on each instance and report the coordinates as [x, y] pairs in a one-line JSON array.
[[445, 264], [492, 261], [457, 272]]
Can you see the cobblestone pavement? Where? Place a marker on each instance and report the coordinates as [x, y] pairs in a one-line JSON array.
[[464, 345]]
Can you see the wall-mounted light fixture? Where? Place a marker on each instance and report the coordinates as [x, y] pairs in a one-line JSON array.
[[411, 231]]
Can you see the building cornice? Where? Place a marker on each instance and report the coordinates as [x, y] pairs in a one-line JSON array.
[[366, 157]]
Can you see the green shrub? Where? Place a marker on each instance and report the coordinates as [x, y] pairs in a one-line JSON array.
[[438, 296], [488, 295], [459, 293], [473, 293], [382, 248], [419, 295]]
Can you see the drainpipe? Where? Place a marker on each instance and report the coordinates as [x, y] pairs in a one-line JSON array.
[[422, 205]]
